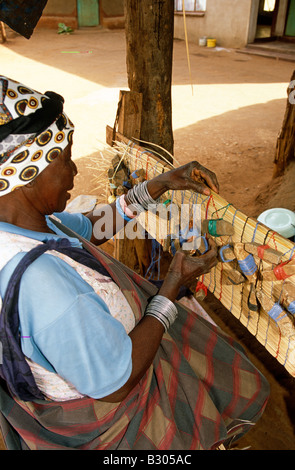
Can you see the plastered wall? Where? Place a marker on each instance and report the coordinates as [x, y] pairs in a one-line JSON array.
[[227, 21]]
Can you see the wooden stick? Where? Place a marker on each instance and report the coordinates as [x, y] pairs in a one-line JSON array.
[[264, 252], [277, 313], [3, 32], [285, 294], [243, 257], [217, 227], [280, 272], [138, 176], [250, 270], [232, 277], [226, 253]]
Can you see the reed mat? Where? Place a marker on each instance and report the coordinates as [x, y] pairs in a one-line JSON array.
[[257, 302]]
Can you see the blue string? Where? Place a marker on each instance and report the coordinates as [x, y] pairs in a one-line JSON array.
[[120, 210], [134, 174], [291, 307], [173, 249], [155, 260], [267, 330], [292, 251], [255, 230], [234, 216], [221, 254], [248, 265], [206, 245], [155, 167], [275, 311], [170, 218]]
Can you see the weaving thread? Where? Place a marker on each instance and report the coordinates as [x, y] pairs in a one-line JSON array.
[[276, 311], [248, 265], [279, 272], [291, 307], [212, 227], [261, 249]]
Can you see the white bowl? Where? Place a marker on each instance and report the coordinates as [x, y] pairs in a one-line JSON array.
[[280, 220]]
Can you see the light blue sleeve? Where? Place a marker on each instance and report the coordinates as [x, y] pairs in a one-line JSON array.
[[77, 222], [66, 327]]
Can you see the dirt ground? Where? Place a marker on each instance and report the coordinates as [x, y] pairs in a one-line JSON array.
[[226, 115]]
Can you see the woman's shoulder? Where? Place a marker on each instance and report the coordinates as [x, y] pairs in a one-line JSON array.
[[77, 222], [13, 243]]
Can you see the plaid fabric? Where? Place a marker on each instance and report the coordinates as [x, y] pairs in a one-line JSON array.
[[200, 391]]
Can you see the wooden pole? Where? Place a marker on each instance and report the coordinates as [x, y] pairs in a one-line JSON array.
[[285, 146], [149, 49], [3, 32]]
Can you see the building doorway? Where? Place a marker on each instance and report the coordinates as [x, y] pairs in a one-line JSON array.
[[272, 29], [88, 12], [266, 20], [290, 22]]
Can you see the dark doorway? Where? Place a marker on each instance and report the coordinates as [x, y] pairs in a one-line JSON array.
[[266, 20]]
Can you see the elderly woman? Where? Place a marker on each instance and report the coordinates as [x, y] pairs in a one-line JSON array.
[[93, 356]]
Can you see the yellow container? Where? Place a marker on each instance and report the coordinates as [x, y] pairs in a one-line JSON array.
[[211, 42]]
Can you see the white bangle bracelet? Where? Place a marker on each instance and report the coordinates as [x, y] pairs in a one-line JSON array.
[[139, 195], [163, 309]]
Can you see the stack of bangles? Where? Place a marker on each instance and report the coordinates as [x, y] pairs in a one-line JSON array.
[[163, 310], [139, 199]]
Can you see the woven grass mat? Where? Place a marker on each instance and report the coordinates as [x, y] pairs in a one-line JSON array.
[[271, 333]]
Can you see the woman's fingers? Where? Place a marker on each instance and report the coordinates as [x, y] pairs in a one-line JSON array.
[[192, 176], [205, 178], [212, 247], [189, 267]]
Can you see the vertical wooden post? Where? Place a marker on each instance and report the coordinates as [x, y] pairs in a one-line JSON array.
[[3, 32], [285, 146], [149, 28], [129, 117], [149, 41]]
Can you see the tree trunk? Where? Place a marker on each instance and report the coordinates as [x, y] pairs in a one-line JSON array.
[[3, 32], [149, 40], [285, 147]]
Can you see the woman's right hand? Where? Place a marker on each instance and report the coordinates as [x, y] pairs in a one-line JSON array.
[[184, 269], [147, 335]]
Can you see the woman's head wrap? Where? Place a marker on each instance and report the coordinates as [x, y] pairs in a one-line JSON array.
[[33, 131]]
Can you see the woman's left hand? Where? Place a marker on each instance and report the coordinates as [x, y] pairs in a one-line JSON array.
[[192, 176], [185, 269]]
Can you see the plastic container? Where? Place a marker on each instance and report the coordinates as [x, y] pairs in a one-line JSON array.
[[211, 42], [203, 41], [279, 220]]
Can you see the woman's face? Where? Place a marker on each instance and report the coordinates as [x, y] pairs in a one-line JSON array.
[[52, 186]]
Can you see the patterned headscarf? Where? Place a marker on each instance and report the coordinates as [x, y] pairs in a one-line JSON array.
[[34, 130]]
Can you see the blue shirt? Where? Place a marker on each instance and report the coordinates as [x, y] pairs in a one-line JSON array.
[[64, 325]]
